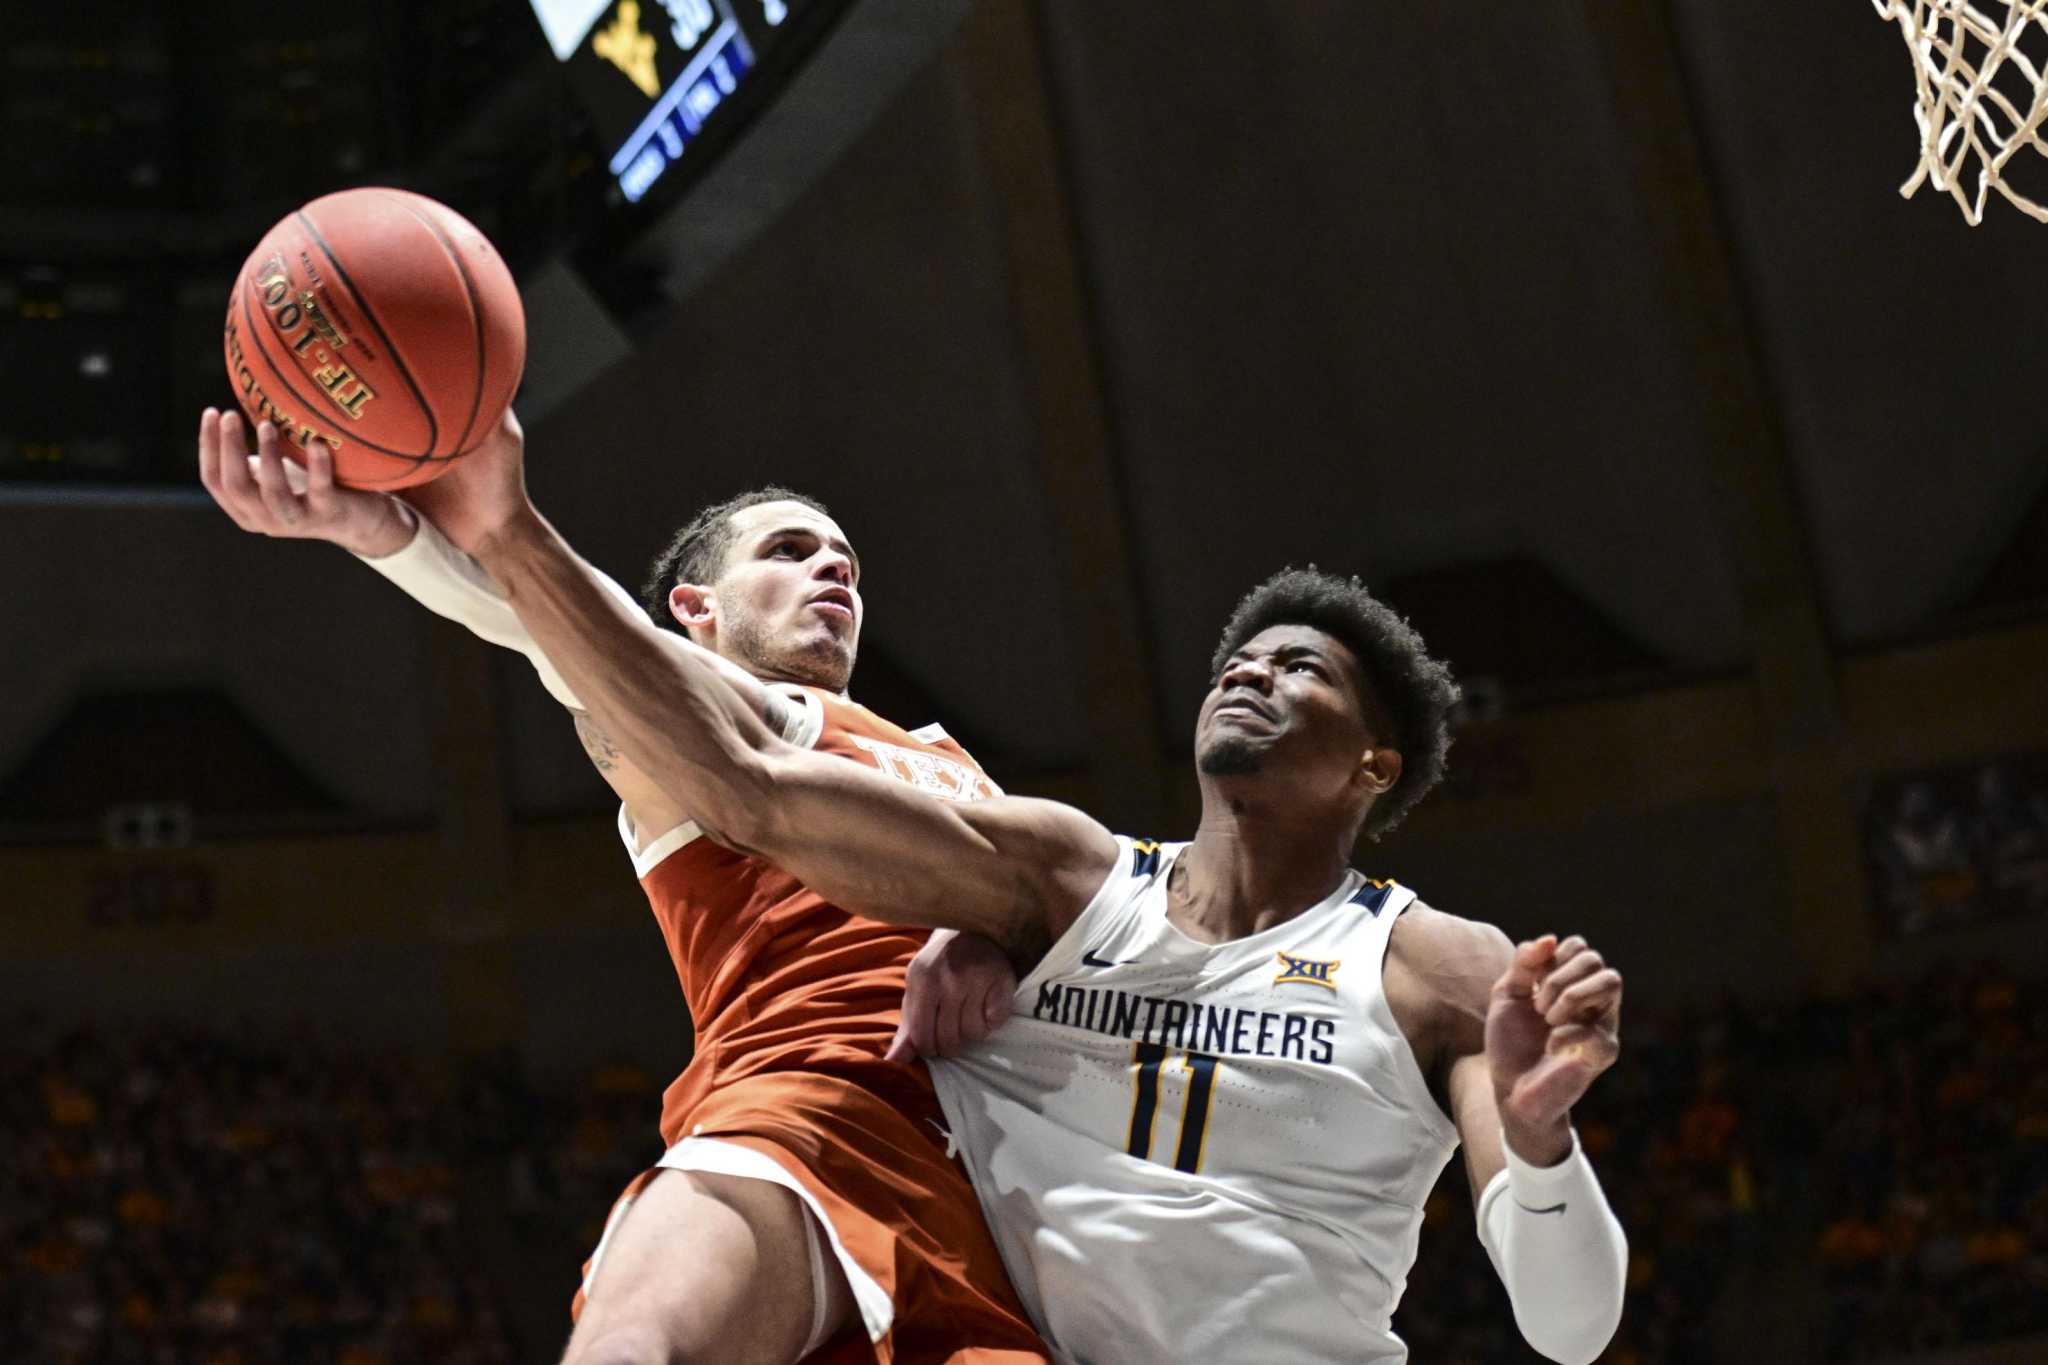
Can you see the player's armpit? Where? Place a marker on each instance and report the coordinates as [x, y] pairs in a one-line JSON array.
[[650, 811], [1013, 869]]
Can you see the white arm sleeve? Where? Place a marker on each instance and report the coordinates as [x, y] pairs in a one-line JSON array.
[[449, 583], [1560, 1251]]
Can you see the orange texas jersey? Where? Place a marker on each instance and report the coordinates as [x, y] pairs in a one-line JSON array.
[[776, 978]]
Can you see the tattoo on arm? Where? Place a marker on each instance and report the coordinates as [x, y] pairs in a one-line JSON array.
[[597, 743]]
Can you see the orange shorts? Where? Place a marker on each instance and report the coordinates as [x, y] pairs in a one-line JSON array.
[[898, 1211]]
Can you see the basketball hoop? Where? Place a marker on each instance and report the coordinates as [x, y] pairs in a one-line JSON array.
[[1980, 97]]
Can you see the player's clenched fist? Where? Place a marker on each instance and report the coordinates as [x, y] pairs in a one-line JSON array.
[[1553, 1024], [272, 496]]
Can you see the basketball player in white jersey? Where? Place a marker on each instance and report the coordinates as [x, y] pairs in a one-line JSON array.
[[1245, 1052], [1239, 1066]]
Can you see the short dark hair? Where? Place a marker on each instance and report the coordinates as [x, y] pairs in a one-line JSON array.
[[1413, 690], [697, 553]]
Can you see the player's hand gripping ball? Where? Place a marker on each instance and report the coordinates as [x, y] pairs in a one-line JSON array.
[[382, 323]]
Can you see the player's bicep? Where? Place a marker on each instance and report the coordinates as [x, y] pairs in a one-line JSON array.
[[1013, 869]]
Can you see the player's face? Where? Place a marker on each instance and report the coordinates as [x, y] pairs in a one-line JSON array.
[[1289, 705], [788, 603]]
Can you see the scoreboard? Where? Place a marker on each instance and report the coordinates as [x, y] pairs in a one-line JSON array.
[[106, 331], [655, 74]]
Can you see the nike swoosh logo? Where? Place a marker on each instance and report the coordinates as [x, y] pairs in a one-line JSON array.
[[1554, 1208], [1089, 959]]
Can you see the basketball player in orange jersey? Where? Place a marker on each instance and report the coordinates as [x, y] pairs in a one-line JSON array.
[[1273, 1214], [806, 1205]]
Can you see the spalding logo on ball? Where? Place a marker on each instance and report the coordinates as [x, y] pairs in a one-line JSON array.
[[382, 323]]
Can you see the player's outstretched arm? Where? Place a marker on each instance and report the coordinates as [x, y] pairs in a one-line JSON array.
[[1012, 869], [1523, 1032]]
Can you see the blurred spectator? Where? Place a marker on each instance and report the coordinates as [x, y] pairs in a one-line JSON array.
[[1952, 847], [1933, 1219], [175, 1196], [1874, 1171]]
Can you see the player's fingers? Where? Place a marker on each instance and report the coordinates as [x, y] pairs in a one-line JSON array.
[[278, 498], [946, 1022], [209, 449], [1564, 975], [294, 474], [321, 503], [904, 1046], [975, 1013], [917, 1023], [996, 1009], [1590, 1000], [1525, 968], [1568, 948], [210, 464], [900, 1047], [234, 485], [1581, 1045], [229, 474]]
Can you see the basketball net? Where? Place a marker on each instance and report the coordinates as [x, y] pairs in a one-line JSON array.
[[1980, 97]]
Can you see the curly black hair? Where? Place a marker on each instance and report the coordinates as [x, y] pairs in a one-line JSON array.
[[696, 554], [1414, 691]]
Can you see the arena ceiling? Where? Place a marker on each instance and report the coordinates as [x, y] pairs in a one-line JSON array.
[[1402, 293], [1603, 345]]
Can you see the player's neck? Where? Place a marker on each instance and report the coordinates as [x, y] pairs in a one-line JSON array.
[[1248, 870], [777, 678]]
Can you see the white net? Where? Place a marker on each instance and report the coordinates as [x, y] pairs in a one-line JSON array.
[[1981, 96]]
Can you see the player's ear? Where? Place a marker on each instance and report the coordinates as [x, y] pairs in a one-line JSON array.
[[1379, 770], [692, 606]]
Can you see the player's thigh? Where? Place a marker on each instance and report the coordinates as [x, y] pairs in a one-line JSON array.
[[706, 1267]]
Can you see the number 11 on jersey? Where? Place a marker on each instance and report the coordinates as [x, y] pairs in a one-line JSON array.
[[1146, 1061]]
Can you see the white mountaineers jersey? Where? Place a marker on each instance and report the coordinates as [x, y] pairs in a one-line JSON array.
[[1205, 1152]]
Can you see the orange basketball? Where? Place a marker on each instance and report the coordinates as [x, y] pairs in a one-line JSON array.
[[382, 323]]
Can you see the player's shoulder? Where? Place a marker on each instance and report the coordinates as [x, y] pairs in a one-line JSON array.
[[1145, 857], [1450, 951], [1439, 976], [1425, 923]]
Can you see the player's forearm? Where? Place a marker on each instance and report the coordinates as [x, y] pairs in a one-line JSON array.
[[1560, 1251], [426, 567], [679, 720]]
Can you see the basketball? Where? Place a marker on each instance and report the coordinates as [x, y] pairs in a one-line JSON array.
[[382, 323]]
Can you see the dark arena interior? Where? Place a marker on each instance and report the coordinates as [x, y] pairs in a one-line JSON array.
[[1596, 338]]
